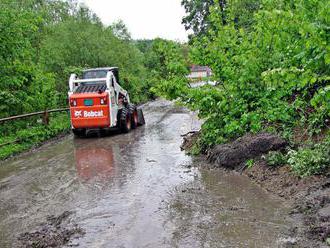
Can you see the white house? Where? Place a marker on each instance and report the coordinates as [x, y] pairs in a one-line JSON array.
[[199, 72]]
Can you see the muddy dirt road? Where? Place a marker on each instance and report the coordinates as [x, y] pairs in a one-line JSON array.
[[137, 190]]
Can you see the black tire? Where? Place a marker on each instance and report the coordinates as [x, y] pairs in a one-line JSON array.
[[125, 120], [134, 115], [141, 120], [79, 133]]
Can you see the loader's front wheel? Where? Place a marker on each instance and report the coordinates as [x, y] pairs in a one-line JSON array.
[[125, 120]]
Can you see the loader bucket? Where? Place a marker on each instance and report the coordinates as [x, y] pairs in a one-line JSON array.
[[141, 120]]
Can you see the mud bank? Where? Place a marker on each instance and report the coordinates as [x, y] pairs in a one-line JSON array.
[[309, 198], [56, 232]]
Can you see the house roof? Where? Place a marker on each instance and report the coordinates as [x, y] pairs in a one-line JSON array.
[[198, 68], [102, 69]]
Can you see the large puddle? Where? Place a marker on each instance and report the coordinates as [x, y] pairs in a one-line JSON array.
[[137, 190]]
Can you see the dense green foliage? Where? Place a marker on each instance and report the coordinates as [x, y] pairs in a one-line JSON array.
[[276, 158], [166, 63], [43, 41], [197, 15], [271, 60], [307, 160], [311, 160], [33, 135]]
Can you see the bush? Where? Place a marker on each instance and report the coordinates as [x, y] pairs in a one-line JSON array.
[[272, 71], [275, 158], [310, 161], [34, 135]]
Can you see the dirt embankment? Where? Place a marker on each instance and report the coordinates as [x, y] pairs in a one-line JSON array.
[[309, 197], [239, 151]]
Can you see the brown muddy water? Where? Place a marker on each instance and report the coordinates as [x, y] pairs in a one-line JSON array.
[[137, 190]]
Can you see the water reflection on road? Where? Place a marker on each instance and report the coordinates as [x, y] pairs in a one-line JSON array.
[[94, 162]]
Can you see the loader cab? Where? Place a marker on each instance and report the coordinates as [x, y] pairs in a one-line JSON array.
[[101, 73]]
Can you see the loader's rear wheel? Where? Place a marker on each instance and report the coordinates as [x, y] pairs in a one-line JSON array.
[[125, 120], [141, 120], [134, 115]]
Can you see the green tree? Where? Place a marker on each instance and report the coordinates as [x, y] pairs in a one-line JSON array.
[[198, 11], [120, 30], [271, 61]]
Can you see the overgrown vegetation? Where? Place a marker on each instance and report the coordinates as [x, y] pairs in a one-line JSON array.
[[33, 135], [276, 158], [311, 160], [271, 59], [307, 160]]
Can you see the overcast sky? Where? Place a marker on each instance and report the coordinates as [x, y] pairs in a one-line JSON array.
[[145, 19]]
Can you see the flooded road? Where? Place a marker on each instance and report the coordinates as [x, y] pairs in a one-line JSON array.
[[137, 190]]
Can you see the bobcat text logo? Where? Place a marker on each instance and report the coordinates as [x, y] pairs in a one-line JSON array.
[[80, 113], [93, 113]]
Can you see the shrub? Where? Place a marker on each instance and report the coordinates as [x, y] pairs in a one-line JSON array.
[[275, 158], [310, 161]]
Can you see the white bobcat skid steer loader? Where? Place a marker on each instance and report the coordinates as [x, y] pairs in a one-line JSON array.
[[98, 102]]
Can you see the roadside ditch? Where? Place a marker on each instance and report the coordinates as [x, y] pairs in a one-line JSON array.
[[309, 197]]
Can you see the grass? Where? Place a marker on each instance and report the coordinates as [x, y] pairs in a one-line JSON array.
[[34, 135]]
